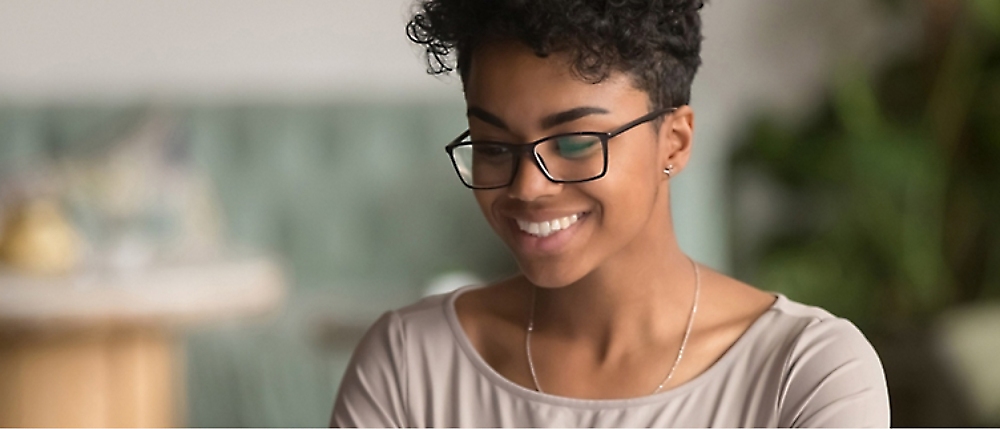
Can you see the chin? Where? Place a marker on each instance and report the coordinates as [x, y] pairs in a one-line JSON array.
[[551, 275]]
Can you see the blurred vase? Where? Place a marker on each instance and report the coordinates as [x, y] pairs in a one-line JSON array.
[[38, 239]]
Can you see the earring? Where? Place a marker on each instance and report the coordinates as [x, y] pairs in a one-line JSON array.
[[669, 170]]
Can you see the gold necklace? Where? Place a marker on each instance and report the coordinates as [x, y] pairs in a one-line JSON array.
[[680, 352]]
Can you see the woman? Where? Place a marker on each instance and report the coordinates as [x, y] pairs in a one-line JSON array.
[[578, 122]]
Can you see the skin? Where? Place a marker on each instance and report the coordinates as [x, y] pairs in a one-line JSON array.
[[614, 292]]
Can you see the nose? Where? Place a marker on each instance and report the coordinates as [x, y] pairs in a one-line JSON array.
[[529, 182]]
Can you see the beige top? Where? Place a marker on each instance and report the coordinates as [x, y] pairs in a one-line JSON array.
[[796, 366]]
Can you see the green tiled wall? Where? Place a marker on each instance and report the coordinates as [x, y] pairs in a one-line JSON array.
[[351, 195], [359, 200]]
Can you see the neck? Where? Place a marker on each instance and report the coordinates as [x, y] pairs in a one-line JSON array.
[[642, 293]]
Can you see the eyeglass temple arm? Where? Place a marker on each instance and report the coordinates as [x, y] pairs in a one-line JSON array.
[[646, 118]]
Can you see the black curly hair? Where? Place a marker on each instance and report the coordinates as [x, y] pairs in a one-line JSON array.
[[656, 42]]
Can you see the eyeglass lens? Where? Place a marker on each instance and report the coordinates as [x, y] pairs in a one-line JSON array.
[[563, 158]]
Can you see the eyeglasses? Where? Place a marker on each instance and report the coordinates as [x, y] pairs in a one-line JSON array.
[[562, 158]]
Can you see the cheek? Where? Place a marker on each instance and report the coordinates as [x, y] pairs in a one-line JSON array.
[[486, 199], [636, 158], [628, 194]]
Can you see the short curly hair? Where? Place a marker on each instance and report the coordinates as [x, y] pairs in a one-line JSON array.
[[656, 42]]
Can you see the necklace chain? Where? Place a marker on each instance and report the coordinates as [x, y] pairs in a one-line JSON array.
[[680, 352]]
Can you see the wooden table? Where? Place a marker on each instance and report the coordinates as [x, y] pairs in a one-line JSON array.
[[99, 349]]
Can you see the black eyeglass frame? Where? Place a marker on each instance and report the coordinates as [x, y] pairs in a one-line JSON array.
[[518, 150]]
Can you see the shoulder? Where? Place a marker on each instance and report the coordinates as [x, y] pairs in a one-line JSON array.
[[831, 374], [403, 336], [427, 320], [373, 391], [815, 337], [385, 344], [813, 328]]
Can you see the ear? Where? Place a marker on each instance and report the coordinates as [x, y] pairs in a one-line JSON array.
[[676, 137]]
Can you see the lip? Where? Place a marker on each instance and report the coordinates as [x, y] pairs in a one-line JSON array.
[[551, 244]]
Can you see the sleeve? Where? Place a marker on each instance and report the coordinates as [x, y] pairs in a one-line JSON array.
[[833, 378], [371, 393]]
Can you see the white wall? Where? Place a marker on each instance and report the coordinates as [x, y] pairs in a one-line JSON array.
[[59, 50], [757, 53]]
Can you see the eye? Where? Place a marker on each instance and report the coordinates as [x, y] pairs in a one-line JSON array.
[[489, 150], [575, 147], [489, 153]]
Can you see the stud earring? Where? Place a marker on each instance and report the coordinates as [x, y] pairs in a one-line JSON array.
[[669, 170]]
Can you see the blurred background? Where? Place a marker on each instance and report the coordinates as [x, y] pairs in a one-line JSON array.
[[204, 204]]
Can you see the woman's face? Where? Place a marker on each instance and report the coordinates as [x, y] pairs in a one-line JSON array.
[[514, 96]]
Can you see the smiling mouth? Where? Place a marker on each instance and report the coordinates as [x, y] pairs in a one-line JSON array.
[[549, 227]]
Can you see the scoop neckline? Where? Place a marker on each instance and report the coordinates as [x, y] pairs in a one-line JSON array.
[[516, 389]]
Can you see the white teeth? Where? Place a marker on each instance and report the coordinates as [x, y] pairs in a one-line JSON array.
[[546, 228]]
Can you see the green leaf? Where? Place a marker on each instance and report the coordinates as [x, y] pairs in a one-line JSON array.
[[856, 104], [987, 13], [817, 273]]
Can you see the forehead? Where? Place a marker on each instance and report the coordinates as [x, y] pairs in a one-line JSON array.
[[509, 75]]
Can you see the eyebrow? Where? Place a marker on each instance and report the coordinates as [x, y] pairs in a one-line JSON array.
[[546, 122]]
